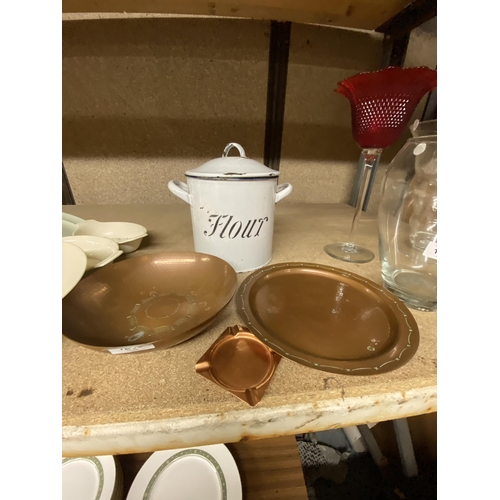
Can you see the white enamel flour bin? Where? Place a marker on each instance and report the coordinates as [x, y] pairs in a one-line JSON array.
[[232, 208]]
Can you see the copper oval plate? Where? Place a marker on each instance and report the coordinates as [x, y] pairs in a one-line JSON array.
[[151, 301], [240, 363], [328, 318]]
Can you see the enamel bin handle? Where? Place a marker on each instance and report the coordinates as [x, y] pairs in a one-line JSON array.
[[282, 191], [180, 189]]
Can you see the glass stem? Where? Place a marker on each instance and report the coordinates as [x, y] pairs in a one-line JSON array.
[[370, 158]]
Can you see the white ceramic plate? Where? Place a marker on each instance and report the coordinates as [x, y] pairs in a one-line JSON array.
[[127, 235], [201, 473], [99, 251], [68, 228], [71, 218], [74, 263], [89, 478], [120, 232]]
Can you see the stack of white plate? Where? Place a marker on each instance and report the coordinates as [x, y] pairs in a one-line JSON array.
[[201, 473], [127, 235], [88, 244], [92, 478]]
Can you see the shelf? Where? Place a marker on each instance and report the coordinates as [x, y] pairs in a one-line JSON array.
[[359, 14], [139, 403]]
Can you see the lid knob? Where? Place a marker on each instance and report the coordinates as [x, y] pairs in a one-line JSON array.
[[232, 145]]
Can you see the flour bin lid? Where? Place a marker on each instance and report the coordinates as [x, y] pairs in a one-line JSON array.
[[233, 167]]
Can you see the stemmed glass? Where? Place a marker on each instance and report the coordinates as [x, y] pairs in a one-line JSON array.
[[350, 251], [382, 103]]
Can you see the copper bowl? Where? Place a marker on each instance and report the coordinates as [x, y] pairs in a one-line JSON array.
[[151, 301]]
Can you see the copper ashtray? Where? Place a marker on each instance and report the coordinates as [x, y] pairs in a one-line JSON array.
[[240, 363]]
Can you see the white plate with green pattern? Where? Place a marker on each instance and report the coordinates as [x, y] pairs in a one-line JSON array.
[[91, 478], [201, 473]]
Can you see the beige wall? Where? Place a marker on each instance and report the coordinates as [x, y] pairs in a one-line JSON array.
[[146, 99], [318, 150]]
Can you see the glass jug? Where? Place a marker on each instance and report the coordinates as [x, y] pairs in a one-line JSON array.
[[407, 223]]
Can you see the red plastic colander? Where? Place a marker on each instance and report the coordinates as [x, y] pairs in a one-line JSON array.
[[382, 102]]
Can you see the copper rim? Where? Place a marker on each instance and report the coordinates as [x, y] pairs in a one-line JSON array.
[[328, 319], [239, 363], [160, 299]]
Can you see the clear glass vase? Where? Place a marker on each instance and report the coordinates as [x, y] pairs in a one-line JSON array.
[[407, 222]]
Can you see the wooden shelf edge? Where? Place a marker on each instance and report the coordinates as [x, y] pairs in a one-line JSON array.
[[359, 14]]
